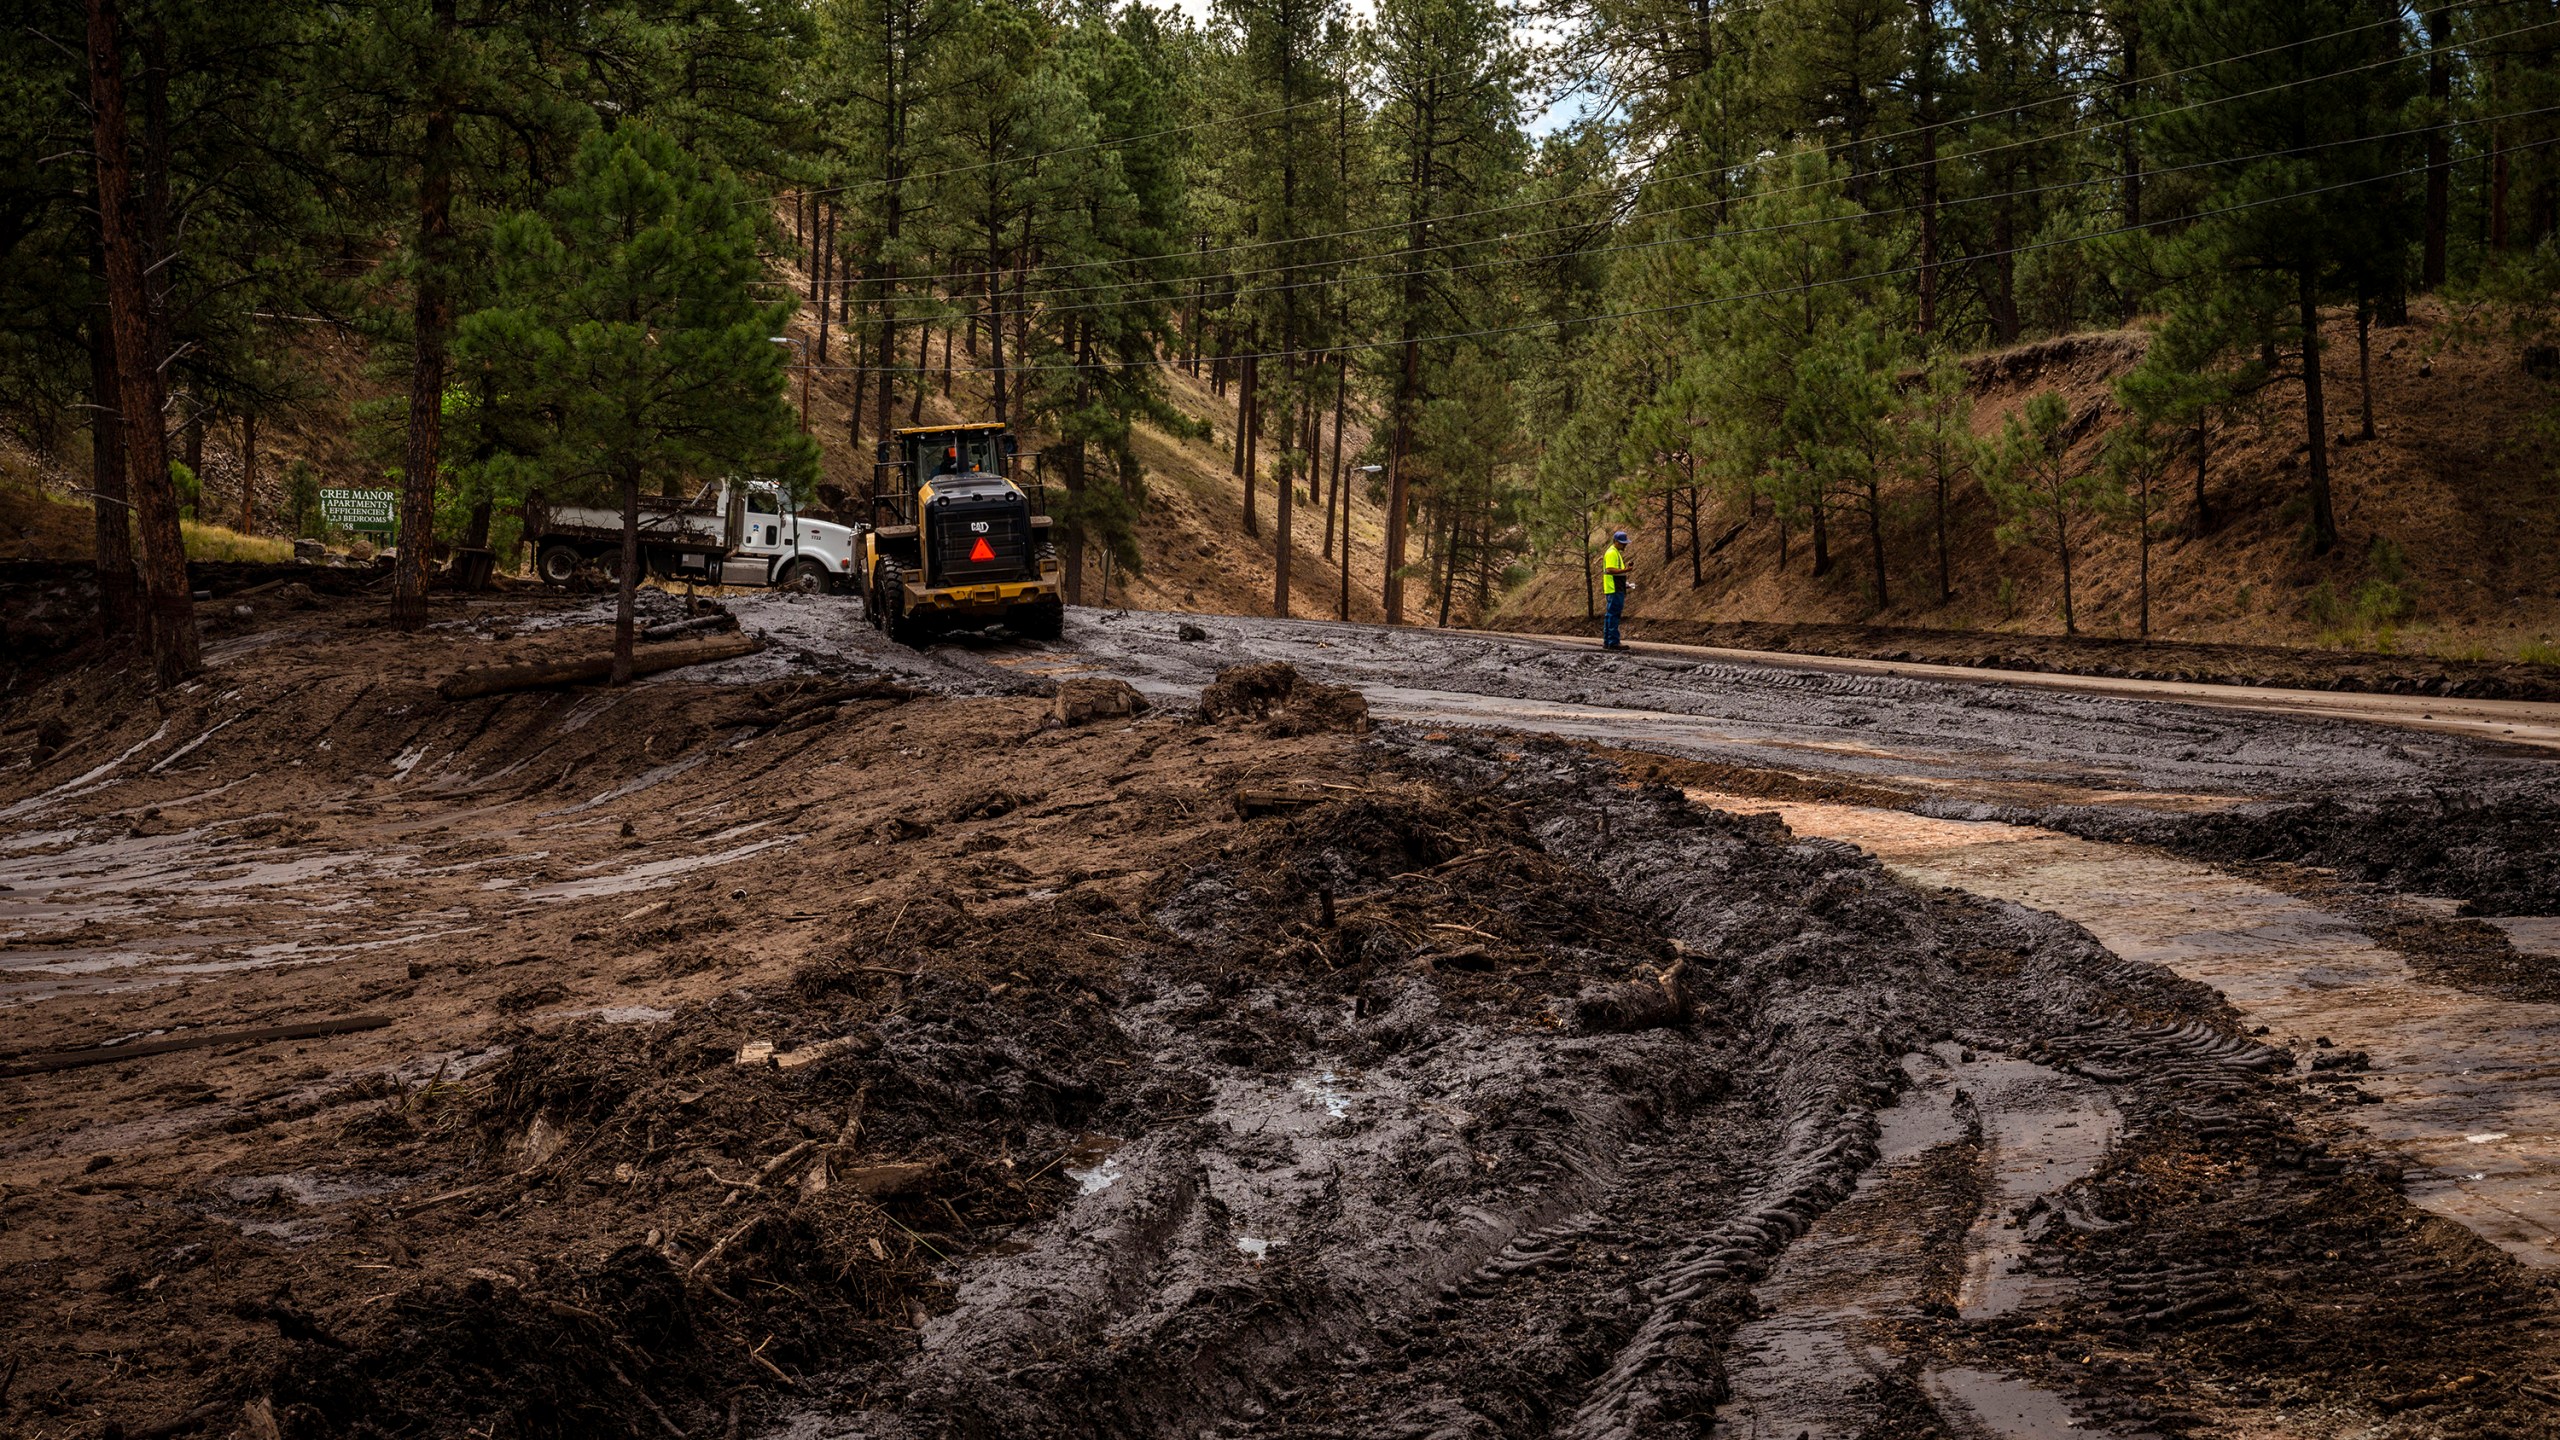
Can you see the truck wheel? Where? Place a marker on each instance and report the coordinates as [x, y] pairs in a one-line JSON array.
[[557, 564], [1040, 620], [807, 577]]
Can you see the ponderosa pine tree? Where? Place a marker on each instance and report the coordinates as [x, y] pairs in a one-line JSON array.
[[2044, 496], [630, 331], [1449, 152], [1772, 367], [1938, 450], [2297, 111]]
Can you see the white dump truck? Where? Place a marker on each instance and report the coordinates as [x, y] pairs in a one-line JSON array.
[[732, 532]]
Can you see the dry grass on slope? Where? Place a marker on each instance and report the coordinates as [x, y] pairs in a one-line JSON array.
[[2449, 507]]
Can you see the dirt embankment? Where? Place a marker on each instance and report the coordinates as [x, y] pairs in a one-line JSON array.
[[2447, 540], [787, 1042]]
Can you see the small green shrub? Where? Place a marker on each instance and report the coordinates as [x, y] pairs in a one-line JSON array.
[[2380, 603], [2006, 594], [2386, 560], [2539, 652], [2321, 607]]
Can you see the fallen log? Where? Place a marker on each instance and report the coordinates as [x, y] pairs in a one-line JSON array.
[[587, 669], [1251, 802], [699, 625], [114, 1054]]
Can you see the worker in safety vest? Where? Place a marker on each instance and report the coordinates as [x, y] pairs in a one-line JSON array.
[[1613, 588]]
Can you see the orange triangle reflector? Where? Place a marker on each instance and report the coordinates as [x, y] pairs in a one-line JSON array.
[[982, 550]]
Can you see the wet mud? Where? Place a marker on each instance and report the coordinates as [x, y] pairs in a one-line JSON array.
[[831, 1043]]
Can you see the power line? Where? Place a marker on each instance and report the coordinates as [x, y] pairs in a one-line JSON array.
[[1632, 247], [1038, 156], [1864, 215], [1643, 182], [1679, 306]]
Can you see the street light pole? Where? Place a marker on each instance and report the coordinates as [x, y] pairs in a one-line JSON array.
[[1370, 470]]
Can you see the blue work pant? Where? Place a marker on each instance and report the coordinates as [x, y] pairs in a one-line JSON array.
[[1609, 617]]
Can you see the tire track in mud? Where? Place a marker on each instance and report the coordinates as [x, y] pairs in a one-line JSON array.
[[1407, 1286]]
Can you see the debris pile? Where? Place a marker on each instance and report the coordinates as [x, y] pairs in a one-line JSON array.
[[1286, 702]]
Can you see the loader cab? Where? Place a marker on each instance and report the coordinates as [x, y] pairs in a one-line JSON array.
[[911, 460]]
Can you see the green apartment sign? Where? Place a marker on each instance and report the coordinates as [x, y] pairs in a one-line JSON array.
[[374, 510]]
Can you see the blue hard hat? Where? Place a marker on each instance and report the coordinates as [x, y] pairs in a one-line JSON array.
[[1618, 535]]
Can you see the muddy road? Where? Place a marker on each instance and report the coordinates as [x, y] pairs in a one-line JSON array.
[[831, 1042]]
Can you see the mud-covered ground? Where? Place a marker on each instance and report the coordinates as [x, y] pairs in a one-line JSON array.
[[828, 1042], [2463, 816], [2212, 664]]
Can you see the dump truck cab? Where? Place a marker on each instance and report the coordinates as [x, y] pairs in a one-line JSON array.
[[954, 540]]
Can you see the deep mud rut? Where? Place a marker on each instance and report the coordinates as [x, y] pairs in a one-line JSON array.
[[824, 1044]]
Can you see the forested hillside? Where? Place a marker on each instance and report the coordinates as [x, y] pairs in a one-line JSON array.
[[1752, 263]]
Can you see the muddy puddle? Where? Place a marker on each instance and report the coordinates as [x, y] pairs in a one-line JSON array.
[[1974, 1141], [2467, 1088]]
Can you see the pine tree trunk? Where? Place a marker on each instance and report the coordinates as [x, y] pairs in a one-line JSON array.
[[2144, 539], [168, 605], [2364, 365], [1248, 436], [1821, 536], [2004, 269], [431, 321], [1393, 583], [249, 473], [119, 593], [1875, 540], [1925, 102], [884, 399], [2204, 508], [1590, 604], [995, 332], [1697, 552], [1448, 563], [2315, 414], [627, 584], [2498, 164], [192, 436], [1285, 488], [924, 367], [1341, 405], [1072, 562], [2062, 547], [1946, 569], [820, 263], [2431, 267]]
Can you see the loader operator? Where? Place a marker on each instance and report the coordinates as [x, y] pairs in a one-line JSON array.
[[1613, 586], [950, 461]]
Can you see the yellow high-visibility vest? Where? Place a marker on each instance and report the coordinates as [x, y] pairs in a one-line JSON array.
[[1612, 565]]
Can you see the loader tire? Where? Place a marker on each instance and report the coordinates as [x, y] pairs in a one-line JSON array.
[[1040, 620], [895, 622]]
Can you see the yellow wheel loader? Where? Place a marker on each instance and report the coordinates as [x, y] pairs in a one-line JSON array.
[[952, 539]]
